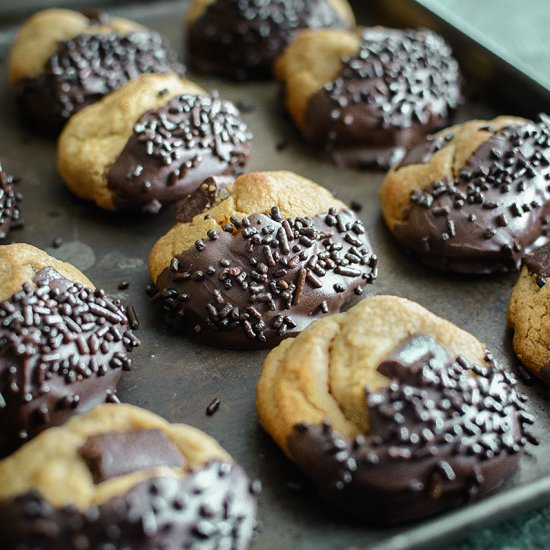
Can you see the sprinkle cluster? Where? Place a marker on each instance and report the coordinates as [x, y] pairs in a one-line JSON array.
[[406, 77], [191, 123], [9, 204], [500, 188], [59, 332], [89, 66], [438, 416], [263, 269], [212, 507]]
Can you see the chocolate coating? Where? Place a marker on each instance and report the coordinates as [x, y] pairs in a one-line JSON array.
[[266, 278], [443, 433], [240, 39], [497, 208], [175, 148], [538, 263], [62, 351], [88, 67], [10, 215], [213, 507], [115, 454], [398, 87], [208, 194]]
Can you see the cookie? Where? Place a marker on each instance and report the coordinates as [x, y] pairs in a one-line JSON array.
[[273, 252], [151, 143], [240, 39], [529, 313], [63, 344], [474, 197], [10, 214], [395, 413], [122, 477], [362, 97], [63, 60]]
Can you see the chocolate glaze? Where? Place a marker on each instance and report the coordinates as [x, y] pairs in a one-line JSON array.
[[213, 507], [497, 208], [62, 351], [86, 68], [399, 86], [10, 215], [208, 194], [538, 264], [265, 278], [114, 454], [240, 39], [175, 148], [443, 433]]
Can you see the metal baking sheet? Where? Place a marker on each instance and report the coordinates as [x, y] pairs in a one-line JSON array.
[[177, 378]]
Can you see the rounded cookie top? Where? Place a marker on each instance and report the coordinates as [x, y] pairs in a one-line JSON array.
[[395, 413], [63, 60], [363, 97], [10, 214], [120, 471], [241, 38], [272, 252], [474, 197], [63, 344], [150, 143], [529, 313]]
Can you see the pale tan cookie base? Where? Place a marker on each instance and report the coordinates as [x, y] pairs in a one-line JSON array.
[[323, 372], [398, 184], [254, 192], [94, 138], [38, 38], [341, 7], [312, 60], [529, 316], [51, 464], [19, 263]]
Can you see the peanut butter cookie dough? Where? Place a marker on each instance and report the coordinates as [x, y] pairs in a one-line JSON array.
[[529, 313], [395, 413], [240, 38], [122, 477], [151, 143], [63, 60], [474, 197], [272, 252], [362, 97], [63, 344]]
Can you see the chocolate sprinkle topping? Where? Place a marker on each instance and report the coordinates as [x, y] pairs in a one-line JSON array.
[[241, 38], [496, 209], [89, 66], [213, 507], [442, 433], [399, 86], [62, 350], [266, 279], [10, 215], [176, 147]]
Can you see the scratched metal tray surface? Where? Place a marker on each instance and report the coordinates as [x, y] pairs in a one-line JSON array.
[[177, 378]]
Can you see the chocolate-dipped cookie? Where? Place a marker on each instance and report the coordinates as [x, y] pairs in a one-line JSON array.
[[395, 413], [151, 143], [529, 313], [63, 344], [274, 252], [122, 477], [474, 197], [63, 60], [10, 215], [362, 97], [240, 39]]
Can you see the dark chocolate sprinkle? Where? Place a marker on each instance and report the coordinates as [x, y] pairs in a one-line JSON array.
[[213, 406], [10, 214]]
